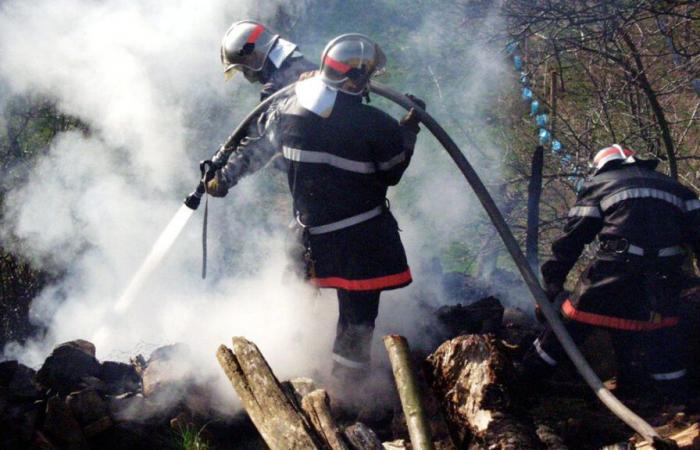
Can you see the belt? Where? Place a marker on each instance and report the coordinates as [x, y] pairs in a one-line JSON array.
[[622, 246], [345, 223]]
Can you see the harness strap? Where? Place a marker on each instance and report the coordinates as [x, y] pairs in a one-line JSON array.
[[657, 322], [347, 222]]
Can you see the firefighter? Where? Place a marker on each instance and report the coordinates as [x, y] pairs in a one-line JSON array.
[[641, 218], [343, 155], [262, 56]]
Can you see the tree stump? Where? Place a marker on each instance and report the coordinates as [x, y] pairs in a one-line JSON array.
[[469, 376]]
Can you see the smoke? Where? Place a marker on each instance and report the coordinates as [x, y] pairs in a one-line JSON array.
[[145, 78]]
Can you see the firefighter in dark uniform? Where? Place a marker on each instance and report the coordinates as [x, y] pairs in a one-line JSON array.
[[641, 219], [263, 57], [343, 155]]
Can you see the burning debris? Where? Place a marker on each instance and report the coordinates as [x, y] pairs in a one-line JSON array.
[[464, 395]]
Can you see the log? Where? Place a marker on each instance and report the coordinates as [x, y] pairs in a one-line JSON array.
[[362, 438], [280, 424], [470, 376], [316, 406], [409, 392], [688, 439]]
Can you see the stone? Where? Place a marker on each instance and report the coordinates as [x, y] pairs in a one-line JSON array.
[[87, 406], [120, 377], [97, 427], [61, 426], [22, 385], [67, 365], [7, 371]]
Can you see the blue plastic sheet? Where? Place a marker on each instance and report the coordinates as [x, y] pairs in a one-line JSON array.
[[518, 62], [527, 93], [556, 146], [544, 136], [541, 120], [523, 79], [534, 107], [510, 48]]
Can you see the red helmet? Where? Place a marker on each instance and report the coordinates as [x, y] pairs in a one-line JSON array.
[[246, 46], [612, 153]]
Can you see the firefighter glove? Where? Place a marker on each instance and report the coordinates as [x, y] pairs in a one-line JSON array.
[[410, 120], [217, 186]]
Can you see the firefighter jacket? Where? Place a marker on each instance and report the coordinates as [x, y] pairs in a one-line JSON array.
[[277, 78], [340, 168], [641, 218], [286, 74]]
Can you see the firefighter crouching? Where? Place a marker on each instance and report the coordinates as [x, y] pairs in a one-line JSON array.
[[342, 155], [632, 287]]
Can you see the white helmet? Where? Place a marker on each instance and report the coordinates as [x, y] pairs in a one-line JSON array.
[[613, 153]]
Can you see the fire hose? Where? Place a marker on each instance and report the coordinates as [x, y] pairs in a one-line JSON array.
[[606, 397]]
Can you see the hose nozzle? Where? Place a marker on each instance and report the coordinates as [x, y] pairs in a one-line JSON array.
[[192, 200]]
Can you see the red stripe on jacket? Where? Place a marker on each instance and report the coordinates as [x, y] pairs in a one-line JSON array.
[[367, 284], [600, 320]]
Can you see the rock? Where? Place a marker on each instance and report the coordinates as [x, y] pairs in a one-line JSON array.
[[22, 385], [7, 371], [97, 427], [41, 442], [120, 377], [61, 426], [482, 316], [18, 422], [87, 406], [130, 408], [67, 365]]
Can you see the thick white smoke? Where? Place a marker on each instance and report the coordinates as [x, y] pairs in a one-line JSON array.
[[145, 77]]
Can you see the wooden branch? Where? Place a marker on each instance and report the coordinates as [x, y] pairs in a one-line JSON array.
[[316, 406], [362, 438], [407, 385], [280, 424]]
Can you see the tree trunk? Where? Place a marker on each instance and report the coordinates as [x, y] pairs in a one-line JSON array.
[[279, 422], [534, 192], [407, 385], [470, 376]]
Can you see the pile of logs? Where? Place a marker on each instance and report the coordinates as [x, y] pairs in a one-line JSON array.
[[469, 378]]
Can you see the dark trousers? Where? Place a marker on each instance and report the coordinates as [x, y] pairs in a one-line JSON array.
[[353, 339], [662, 349]]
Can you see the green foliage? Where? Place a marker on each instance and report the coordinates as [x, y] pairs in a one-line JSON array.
[[189, 437]]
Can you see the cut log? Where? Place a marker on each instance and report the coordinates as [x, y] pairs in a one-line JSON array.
[[688, 439], [409, 392], [362, 437], [316, 406], [469, 376], [281, 425]]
